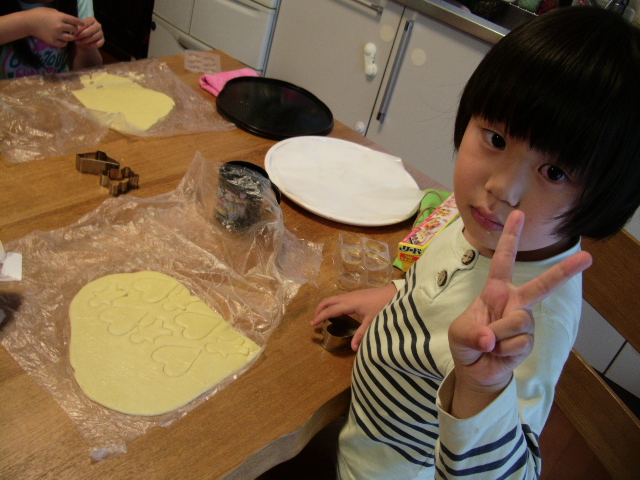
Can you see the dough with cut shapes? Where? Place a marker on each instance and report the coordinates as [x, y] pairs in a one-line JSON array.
[[140, 106], [141, 344]]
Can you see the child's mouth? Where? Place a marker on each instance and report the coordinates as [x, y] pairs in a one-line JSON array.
[[485, 221]]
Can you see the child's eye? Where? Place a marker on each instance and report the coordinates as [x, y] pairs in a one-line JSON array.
[[494, 139], [554, 173]]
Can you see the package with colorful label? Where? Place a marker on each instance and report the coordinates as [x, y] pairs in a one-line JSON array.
[[411, 248]]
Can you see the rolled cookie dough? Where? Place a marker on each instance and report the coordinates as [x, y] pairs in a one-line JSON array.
[[141, 344], [141, 107]]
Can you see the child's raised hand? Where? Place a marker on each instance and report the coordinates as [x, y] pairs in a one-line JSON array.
[[90, 34], [366, 304], [54, 27], [495, 334]]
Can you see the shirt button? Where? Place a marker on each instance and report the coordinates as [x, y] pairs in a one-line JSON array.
[[442, 277], [468, 257]]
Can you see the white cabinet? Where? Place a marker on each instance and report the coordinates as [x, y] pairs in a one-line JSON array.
[[320, 46], [240, 28], [417, 121], [177, 14]]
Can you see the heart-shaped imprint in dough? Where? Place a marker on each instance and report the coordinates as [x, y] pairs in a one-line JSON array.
[[179, 299], [177, 360], [121, 320], [197, 326], [131, 353], [154, 289]]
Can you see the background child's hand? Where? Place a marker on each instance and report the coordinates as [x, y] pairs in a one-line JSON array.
[[495, 334], [90, 34], [54, 27], [366, 304]]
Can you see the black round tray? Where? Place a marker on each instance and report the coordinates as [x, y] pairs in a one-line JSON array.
[[273, 108]]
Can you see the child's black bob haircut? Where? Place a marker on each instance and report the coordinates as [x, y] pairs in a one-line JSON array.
[[568, 83]]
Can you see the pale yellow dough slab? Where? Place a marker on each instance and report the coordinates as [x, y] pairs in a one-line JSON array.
[[141, 107], [141, 344]]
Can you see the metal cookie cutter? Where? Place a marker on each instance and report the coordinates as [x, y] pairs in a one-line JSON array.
[[95, 162], [337, 333], [119, 181], [116, 180]]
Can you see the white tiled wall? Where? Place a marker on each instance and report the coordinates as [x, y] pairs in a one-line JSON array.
[[633, 227], [598, 342], [607, 351], [625, 370], [602, 346]]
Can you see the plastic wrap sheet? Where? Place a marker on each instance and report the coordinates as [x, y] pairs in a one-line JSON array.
[[40, 117], [248, 277]]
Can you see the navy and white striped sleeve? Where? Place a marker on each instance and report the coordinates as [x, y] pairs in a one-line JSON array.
[[494, 444]]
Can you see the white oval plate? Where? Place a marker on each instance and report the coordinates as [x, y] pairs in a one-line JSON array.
[[343, 181]]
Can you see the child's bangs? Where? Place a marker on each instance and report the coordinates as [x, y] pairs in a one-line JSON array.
[[544, 107]]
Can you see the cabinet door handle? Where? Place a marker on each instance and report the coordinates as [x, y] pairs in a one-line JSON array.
[[395, 70], [370, 5]]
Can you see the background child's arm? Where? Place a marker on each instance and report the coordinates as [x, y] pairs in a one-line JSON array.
[[47, 24], [495, 334], [366, 304], [89, 39]]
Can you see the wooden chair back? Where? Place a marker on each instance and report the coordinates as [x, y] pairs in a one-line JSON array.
[[610, 429]]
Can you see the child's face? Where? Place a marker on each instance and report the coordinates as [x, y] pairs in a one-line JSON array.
[[495, 175]]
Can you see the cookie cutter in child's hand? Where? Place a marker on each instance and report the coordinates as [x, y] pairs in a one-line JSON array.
[[116, 180], [337, 333]]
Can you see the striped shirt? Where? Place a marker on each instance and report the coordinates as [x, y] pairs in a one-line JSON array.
[[398, 424]]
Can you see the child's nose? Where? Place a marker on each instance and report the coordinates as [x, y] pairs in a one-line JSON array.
[[507, 184]]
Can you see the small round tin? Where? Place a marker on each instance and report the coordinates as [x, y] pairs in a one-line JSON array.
[[241, 188]]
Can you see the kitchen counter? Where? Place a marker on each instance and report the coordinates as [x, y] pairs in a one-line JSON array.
[[462, 19], [264, 417]]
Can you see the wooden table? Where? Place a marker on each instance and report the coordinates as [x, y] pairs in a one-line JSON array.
[[259, 420]]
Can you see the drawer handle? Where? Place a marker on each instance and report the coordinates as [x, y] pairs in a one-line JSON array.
[[395, 70], [370, 5]]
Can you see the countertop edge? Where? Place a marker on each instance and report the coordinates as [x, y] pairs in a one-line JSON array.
[[458, 18]]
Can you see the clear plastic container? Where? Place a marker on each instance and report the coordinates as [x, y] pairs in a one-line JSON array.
[[202, 62], [362, 263]]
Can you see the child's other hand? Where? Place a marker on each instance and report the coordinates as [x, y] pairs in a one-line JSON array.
[[54, 27], [495, 334], [366, 304], [90, 34]]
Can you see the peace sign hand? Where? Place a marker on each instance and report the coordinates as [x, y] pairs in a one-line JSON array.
[[495, 334]]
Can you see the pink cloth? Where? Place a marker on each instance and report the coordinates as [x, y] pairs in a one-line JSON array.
[[215, 83]]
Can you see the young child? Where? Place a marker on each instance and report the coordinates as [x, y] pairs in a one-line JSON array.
[[48, 36], [448, 380]]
